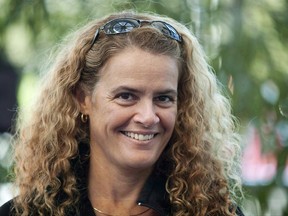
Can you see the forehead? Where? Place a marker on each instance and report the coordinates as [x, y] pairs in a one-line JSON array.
[[134, 63]]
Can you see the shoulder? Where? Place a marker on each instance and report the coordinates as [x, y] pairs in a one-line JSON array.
[[5, 209]]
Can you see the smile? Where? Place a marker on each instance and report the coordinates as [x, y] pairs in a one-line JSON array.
[[141, 137]]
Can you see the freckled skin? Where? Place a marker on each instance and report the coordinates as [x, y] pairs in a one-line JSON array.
[[136, 93]]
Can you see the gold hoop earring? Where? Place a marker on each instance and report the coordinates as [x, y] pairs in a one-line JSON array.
[[84, 118]]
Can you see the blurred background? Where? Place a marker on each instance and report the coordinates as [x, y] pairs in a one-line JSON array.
[[246, 42]]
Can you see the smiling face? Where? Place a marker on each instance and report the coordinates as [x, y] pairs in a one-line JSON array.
[[133, 109]]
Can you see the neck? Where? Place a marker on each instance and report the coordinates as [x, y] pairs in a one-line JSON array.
[[113, 190]]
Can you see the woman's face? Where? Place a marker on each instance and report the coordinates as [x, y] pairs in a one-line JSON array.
[[133, 109]]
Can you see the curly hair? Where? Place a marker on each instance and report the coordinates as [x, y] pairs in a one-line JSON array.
[[203, 153]]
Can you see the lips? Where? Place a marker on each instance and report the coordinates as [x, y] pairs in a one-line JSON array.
[[138, 136]]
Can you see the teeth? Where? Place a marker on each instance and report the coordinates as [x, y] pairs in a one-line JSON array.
[[140, 137]]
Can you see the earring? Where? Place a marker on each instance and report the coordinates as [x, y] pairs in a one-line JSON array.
[[84, 118]]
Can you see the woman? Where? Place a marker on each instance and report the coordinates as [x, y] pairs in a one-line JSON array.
[[129, 121]]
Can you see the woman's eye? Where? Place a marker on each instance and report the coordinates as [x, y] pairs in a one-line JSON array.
[[126, 96], [165, 99]]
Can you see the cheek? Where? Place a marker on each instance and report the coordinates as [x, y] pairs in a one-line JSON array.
[[115, 116], [168, 120]]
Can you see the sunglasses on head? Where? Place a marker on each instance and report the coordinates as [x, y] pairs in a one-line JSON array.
[[124, 25]]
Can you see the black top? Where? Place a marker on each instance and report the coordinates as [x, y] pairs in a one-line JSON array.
[[153, 194]]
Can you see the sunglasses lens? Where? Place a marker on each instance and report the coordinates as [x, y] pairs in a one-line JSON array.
[[167, 30], [119, 26]]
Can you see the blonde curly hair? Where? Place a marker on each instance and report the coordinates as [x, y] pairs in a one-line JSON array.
[[203, 153]]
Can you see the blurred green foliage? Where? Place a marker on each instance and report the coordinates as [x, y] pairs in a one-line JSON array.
[[246, 42]]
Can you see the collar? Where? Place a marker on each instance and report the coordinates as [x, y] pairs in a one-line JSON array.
[[154, 195]]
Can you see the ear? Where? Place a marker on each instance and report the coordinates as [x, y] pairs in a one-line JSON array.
[[83, 100]]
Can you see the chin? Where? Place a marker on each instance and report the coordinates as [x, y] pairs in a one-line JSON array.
[[142, 162]]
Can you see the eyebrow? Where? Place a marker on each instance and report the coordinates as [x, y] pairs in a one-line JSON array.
[[134, 90], [168, 92]]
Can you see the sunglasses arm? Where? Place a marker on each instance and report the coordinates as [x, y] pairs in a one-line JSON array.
[[96, 35]]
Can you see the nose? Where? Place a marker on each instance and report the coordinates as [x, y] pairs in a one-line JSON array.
[[146, 114]]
